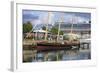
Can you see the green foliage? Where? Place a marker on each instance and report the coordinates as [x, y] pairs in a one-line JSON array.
[[27, 27], [54, 30], [61, 33], [43, 28]]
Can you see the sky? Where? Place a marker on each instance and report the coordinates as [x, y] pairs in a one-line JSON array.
[[44, 17]]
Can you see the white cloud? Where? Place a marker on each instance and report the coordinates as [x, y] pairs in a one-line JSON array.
[[47, 18], [35, 22], [67, 17], [71, 18], [28, 12], [82, 20]]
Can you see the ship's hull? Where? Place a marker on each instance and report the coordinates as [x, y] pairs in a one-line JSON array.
[[41, 46], [53, 46]]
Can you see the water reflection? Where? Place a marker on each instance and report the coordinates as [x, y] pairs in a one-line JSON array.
[[61, 56], [76, 56]]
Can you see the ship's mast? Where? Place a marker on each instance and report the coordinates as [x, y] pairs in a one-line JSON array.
[[72, 25], [48, 20], [61, 21], [74, 20]]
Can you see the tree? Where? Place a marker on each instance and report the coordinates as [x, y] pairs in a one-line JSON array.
[[61, 33], [27, 27], [54, 30], [43, 28]]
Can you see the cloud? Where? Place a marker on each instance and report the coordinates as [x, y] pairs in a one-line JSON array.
[[25, 12], [47, 18], [41, 17], [82, 20], [72, 18]]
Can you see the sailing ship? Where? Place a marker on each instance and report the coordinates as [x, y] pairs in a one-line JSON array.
[[58, 45], [44, 45]]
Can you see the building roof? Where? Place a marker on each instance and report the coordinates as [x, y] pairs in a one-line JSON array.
[[42, 31]]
